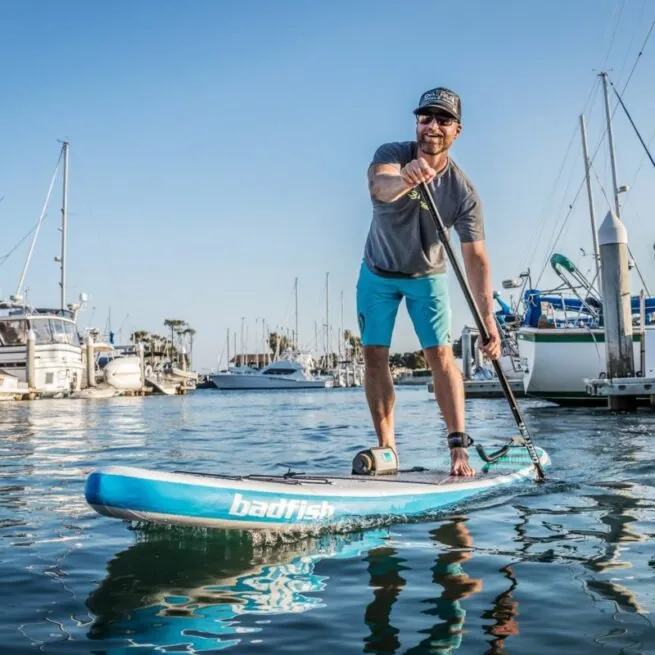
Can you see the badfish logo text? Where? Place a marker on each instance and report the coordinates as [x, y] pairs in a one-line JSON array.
[[288, 509]]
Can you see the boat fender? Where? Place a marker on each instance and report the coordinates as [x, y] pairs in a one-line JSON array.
[[375, 461]]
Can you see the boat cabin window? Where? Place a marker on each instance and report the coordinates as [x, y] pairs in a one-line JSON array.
[[279, 371], [54, 330], [64, 332], [41, 328], [13, 333]]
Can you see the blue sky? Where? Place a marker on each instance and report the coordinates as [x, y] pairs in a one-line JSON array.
[[219, 150]]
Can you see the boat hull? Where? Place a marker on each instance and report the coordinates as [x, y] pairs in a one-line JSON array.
[[58, 368], [259, 382], [556, 362]]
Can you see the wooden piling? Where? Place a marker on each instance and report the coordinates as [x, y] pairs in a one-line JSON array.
[[30, 364], [90, 362], [140, 349], [467, 345], [617, 315]]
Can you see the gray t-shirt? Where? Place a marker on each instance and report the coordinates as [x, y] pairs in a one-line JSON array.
[[403, 240]]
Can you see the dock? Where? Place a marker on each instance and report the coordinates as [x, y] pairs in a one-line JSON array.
[[487, 388], [641, 387]]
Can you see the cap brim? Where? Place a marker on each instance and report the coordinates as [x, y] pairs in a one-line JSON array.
[[433, 109]]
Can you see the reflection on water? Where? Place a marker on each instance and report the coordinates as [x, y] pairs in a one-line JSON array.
[[188, 591], [504, 613], [384, 568], [445, 611], [565, 566], [448, 573]]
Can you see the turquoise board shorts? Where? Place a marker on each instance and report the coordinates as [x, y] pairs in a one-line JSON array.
[[428, 305]]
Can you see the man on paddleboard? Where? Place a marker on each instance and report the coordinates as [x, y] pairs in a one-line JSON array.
[[404, 258]]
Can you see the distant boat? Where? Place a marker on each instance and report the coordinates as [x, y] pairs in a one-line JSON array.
[[419, 376], [205, 382], [487, 388], [291, 371]]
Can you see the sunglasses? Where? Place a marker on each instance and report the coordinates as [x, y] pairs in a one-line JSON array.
[[441, 119]]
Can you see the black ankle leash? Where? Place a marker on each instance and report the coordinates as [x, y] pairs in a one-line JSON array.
[[463, 440], [459, 440]]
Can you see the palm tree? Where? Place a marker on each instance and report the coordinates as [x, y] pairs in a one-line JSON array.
[[155, 343], [354, 342], [174, 324], [415, 360], [139, 335], [277, 343], [188, 332]]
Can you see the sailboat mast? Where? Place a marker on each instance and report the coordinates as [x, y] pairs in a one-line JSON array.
[[327, 318], [19, 288], [592, 212], [341, 337], [610, 138], [64, 226], [296, 294], [242, 342]]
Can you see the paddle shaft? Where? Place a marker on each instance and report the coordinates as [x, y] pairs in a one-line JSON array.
[[484, 333]]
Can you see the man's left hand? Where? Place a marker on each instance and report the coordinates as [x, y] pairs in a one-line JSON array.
[[492, 348]]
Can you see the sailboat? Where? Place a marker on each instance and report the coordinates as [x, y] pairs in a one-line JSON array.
[[40, 346], [562, 341]]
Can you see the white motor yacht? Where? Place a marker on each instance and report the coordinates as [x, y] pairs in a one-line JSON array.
[[58, 365], [291, 371]]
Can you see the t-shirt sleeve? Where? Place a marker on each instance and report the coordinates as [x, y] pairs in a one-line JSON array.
[[469, 223], [391, 153]]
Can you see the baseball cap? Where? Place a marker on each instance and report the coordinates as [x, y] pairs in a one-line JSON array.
[[441, 99]]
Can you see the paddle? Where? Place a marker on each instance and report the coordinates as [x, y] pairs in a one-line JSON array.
[[484, 333]]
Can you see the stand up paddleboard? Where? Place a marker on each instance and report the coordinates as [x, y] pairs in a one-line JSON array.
[[293, 500]]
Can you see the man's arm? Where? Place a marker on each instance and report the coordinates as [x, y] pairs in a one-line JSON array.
[[385, 182], [389, 182], [478, 272]]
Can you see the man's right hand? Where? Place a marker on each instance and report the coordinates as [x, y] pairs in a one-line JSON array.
[[417, 171]]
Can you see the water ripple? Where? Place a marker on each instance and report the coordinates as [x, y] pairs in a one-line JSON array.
[[471, 580]]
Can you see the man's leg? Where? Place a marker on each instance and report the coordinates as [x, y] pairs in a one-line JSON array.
[[429, 308], [378, 300], [380, 394], [448, 386], [449, 392]]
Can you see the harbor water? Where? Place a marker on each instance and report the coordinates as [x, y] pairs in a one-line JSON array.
[[566, 566]]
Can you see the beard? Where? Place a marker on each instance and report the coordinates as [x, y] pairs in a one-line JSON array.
[[434, 145]]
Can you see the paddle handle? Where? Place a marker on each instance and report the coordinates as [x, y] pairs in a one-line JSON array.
[[484, 333]]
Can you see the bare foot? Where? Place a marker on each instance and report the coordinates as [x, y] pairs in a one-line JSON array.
[[459, 459]]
